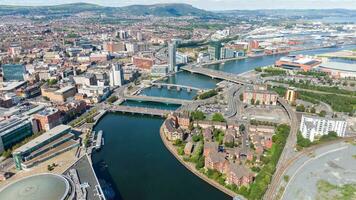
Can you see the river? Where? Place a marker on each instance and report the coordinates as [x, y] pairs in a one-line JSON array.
[[135, 161], [140, 167]]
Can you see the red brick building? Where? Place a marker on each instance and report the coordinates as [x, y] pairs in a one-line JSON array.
[[143, 63]]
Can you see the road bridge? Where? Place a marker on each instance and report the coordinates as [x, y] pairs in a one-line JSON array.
[[177, 86], [217, 74], [157, 99], [140, 110]]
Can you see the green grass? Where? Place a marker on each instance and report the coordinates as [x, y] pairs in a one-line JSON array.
[[328, 191]]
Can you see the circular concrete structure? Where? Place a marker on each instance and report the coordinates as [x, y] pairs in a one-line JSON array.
[[39, 187]]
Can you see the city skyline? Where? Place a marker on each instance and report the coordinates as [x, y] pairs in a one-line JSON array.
[[207, 4]]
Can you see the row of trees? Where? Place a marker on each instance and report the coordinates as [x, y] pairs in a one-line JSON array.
[[263, 178], [305, 142]]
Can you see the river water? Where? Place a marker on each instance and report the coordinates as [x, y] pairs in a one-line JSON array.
[[134, 160]]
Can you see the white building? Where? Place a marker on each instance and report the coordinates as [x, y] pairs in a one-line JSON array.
[[172, 57], [159, 70], [203, 57], [181, 58], [314, 126], [116, 75]]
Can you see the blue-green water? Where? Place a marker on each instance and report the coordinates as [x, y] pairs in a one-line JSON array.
[[140, 167], [240, 66], [194, 80], [151, 105], [13, 72], [169, 93]]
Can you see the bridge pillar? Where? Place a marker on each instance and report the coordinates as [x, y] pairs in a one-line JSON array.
[[178, 88], [168, 87], [189, 89], [159, 86]]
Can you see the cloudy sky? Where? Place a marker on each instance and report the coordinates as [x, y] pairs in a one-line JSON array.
[[206, 4]]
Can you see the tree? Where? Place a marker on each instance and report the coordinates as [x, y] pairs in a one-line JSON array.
[[322, 113], [303, 142], [197, 115], [252, 101], [242, 128], [218, 117], [300, 108], [258, 102], [200, 163], [312, 110]]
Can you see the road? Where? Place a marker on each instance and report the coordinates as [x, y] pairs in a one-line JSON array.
[[288, 152]]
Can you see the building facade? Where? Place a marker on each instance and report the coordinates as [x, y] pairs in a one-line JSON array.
[[312, 127], [172, 62]]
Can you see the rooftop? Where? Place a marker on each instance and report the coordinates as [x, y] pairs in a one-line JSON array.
[[350, 67], [42, 186], [44, 137]]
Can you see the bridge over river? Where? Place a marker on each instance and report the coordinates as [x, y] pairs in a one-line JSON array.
[[140, 110], [178, 87], [157, 99], [217, 74]]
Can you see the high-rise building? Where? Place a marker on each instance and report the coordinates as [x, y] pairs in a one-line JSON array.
[[171, 57], [116, 75], [123, 34], [215, 51], [314, 126], [291, 95]]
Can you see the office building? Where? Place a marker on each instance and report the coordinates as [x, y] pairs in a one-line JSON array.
[[227, 53], [172, 57], [13, 72], [181, 58], [58, 95], [116, 75], [215, 51], [313, 127], [51, 143], [13, 131]]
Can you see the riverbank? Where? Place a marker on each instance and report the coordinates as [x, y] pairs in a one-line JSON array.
[[191, 167]]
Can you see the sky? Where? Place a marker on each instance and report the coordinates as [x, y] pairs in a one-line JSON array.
[[206, 4]]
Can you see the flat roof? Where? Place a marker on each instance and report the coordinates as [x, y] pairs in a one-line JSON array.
[[44, 137], [341, 66], [65, 89], [12, 85]]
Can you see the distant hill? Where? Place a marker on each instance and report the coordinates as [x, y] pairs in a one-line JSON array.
[[164, 10]]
